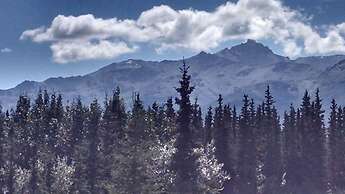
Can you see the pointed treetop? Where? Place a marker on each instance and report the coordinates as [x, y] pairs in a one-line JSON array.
[[184, 69], [220, 100]]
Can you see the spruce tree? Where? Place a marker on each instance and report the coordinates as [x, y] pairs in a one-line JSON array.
[[336, 145], [87, 177], [184, 161], [92, 139], [293, 169], [333, 116], [319, 134], [170, 120], [197, 123], [112, 131], [11, 153], [138, 140], [77, 132], [272, 163], [129, 172], [247, 163], [2, 147], [222, 137], [312, 148], [208, 126], [169, 111], [36, 126], [23, 133]]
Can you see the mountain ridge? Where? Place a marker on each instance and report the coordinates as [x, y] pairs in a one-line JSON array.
[[244, 68]]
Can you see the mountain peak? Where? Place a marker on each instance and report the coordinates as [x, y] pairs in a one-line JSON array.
[[251, 46], [203, 53], [251, 52], [251, 41]]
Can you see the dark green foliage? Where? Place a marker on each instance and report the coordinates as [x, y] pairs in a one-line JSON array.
[[92, 139], [312, 137], [112, 130], [11, 150], [293, 154], [183, 160], [113, 151], [87, 156], [23, 133], [208, 126], [246, 164], [197, 123], [336, 145], [137, 141], [222, 138], [273, 161], [170, 112], [2, 146]]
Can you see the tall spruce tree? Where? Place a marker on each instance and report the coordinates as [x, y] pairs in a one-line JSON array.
[[208, 126], [92, 139], [222, 137], [272, 169], [11, 151], [312, 160], [197, 123], [88, 174], [112, 131], [336, 145], [138, 140], [294, 165], [77, 132], [3, 150], [23, 133], [2, 147], [247, 163], [184, 161], [36, 127], [170, 120]]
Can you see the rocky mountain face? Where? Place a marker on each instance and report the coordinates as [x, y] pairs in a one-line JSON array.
[[243, 69]]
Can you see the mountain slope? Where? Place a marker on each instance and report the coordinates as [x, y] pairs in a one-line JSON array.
[[245, 68]]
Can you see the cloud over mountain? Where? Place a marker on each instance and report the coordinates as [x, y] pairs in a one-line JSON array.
[[71, 37]]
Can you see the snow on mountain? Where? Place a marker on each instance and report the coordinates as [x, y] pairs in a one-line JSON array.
[[245, 68]]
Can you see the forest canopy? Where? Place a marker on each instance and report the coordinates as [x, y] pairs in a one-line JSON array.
[[171, 147]]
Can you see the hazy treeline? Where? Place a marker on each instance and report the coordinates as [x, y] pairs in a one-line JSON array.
[[48, 147]]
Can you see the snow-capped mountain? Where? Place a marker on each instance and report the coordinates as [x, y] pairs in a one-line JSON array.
[[245, 68]]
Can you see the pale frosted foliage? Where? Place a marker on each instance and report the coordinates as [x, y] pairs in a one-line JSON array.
[[159, 168], [152, 161], [260, 177], [22, 178], [2, 172], [40, 166], [63, 174], [283, 182], [211, 175], [2, 176]]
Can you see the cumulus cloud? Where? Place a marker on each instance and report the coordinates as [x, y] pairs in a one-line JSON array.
[[6, 50], [75, 38], [64, 52]]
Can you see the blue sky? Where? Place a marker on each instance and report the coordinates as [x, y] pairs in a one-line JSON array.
[[39, 40]]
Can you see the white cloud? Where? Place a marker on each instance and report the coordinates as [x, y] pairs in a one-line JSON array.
[[6, 50], [83, 37], [64, 52]]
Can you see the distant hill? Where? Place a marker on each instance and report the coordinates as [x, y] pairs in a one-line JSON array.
[[245, 68]]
